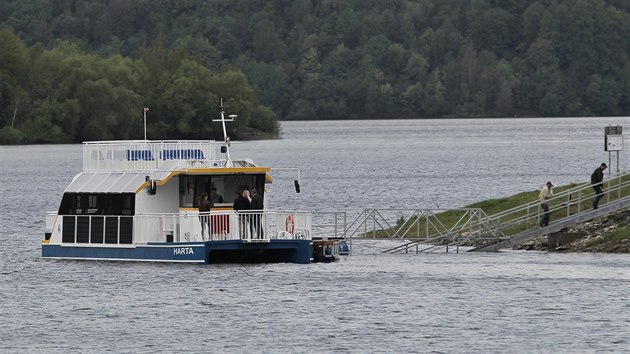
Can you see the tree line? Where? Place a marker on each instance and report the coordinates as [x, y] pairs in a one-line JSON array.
[[65, 95], [307, 59]]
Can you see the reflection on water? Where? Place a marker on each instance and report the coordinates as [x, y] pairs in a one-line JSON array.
[[369, 302]]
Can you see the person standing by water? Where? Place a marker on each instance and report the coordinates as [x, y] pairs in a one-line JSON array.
[[545, 193], [204, 207], [597, 180]]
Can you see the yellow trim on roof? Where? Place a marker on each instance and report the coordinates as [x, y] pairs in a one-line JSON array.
[[168, 178], [143, 186], [159, 183], [211, 209], [221, 170], [45, 241]]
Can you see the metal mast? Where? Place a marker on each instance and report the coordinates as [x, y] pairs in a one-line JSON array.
[[226, 138]]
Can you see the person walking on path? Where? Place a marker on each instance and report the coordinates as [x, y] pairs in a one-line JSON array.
[[545, 193], [597, 179]]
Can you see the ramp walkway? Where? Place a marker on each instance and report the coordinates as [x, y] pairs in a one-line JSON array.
[[511, 227], [422, 229], [586, 215], [567, 208]]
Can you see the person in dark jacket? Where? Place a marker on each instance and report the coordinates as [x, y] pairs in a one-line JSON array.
[[256, 225], [597, 179], [243, 203], [204, 207]]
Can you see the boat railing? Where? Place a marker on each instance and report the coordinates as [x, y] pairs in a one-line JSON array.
[[250, 226], [51, 217], [141, 155]]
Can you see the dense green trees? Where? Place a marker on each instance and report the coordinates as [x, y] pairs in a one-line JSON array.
[[64, 95], [305, 59]]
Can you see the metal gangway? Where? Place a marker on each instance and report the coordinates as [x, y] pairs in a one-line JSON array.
[[424, 229], [428, 229]]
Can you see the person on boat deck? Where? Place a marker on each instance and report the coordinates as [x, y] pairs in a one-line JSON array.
[[257, 204], [204, 206], [243, 203], [215, 197]]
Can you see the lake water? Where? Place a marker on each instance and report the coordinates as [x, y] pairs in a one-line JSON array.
[[511, 301]]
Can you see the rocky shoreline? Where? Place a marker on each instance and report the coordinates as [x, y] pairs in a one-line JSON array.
[[590, 236]]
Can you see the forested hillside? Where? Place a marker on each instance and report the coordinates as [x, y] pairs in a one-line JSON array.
[[307, 59], [65, 95]]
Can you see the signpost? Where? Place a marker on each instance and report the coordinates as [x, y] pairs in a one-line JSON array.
[[613, 141]]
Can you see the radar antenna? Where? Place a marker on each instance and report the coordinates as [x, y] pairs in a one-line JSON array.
[[226, 139]]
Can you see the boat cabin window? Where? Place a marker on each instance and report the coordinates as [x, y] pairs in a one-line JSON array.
[[97, 204], [222, 189]]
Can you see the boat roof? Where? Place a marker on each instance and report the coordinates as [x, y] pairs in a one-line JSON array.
[[133, 182], [151, 155], [112, 182], [126, 166]]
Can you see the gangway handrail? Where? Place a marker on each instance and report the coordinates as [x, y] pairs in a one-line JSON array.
[[578, 187], [428, 214], [618, 204], [522, 216], [364, 211], [559, 196], [568, 206], [365, 215], [536, 202], [556, 197]]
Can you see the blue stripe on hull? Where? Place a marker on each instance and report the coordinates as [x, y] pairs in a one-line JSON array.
[[232, 251], [191, 253]]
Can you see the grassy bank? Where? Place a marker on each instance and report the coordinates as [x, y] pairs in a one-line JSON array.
[[421, 226], [609, 233]]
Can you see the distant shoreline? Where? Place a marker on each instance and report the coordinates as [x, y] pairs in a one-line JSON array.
[[445, 118]]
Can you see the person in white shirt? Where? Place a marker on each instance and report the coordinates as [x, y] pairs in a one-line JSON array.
[[545, 193]]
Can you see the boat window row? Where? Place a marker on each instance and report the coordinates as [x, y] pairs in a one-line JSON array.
[[222, 190], [97, 229], [97, 204]]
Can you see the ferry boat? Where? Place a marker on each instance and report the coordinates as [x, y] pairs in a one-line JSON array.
[[140, 201]]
